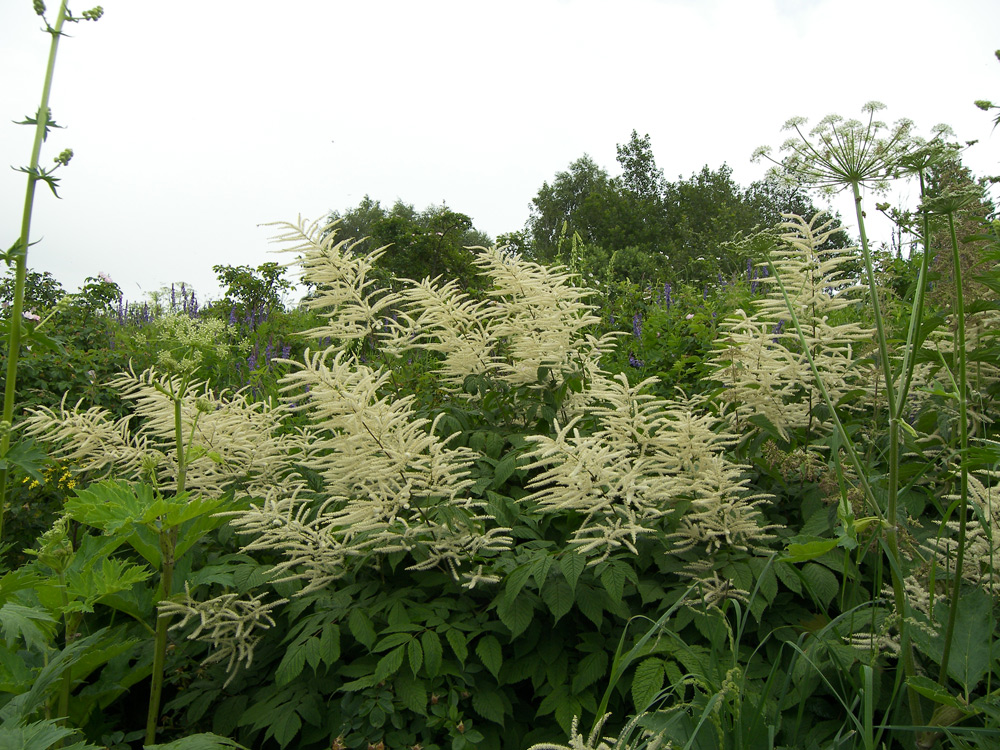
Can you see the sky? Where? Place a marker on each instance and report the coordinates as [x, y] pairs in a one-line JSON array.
[[196, 122]]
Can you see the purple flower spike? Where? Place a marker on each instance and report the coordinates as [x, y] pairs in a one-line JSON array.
[[637, 325], [635, 362]]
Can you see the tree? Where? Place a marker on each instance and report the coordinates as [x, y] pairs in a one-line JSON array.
[[421, 244]]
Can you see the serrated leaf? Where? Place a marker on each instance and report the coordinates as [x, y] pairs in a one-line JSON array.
[[820, 582], [389, 664], [489, 704], [646, 683], [591, 668], [489, 652], [329, 643], [32, 625], [803, 552], [411, 692], [203, 741], [431, 642], [613, 580], [571, 564], [313, 652], [458, 643], [540, 570], [504, 468], [515, 581], [516, 615], [291, 665], [361, 627], [415, 653], [589, 601], [286, 727], [558, 596]]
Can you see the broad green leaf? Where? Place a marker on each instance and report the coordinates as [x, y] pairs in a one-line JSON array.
[[411, 692], [613, 580], [805, 551], [431, 642], [389, 664], [591, 668], [937, 693], [590, 601], [286, 727], [516, 615], [558, 596], [291, 665], [313, 652], [31, 625], [646, 683], [489, 704], [489, 652], [329, 643], [571, 564], [820, 582], [502, 471], [204, 741], [515, 581], [458, 643], [970, 650], [415, 653], [361, 627], [540, 569]]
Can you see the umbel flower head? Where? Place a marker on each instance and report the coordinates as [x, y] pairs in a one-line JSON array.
[[839, 153]]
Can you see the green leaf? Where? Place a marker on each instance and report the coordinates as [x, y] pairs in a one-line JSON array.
[[361, 627], [591, 668], [935, 692], [286, 727], [540, 569], [571, 564], [820, 582], [489, 652], [516, 615], [613, 580], [26, 457], [416, 655], [558, 596], [502, 471], [291, 665], [489, 704], [803, 552], [647, 683], [31, 625], [515, 581], [589, 601], [458, 643], [411, 692], [329, 643], [204, 741], [431, 642], [389, 664], [970, 649], [313, 652]]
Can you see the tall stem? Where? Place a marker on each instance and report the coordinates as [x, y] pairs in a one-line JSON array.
[[168, 547], [963, 426], [891, 533], [21, 257]]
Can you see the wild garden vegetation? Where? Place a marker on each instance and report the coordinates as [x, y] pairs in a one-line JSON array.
[[634, 477]]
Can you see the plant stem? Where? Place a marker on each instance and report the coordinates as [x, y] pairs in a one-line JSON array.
[[21, 257], [890, 528], [168, 547], [963, 426]]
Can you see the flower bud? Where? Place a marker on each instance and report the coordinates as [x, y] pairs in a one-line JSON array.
[[64, 157], [94, 13], [39, 7]]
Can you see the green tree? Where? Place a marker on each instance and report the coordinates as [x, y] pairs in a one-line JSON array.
[[422, 244]]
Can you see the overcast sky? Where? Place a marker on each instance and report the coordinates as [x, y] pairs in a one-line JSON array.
[[193, 122]]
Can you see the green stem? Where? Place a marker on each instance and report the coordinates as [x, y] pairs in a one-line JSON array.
[[21, 257], [890, 528], [168, 547], [168, 543], [963, 426]]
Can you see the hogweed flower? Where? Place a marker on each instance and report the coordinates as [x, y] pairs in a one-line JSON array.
[[839, 153]]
